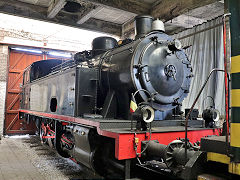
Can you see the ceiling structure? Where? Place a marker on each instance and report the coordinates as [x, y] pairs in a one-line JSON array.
[[116, 17]]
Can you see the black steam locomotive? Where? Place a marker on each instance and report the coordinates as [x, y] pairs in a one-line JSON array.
[[82, 106]]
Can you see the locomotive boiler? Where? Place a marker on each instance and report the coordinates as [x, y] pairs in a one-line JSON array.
[[82, 106]]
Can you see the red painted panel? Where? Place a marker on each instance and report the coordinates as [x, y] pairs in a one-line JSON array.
[[124, 147], [124, 143]]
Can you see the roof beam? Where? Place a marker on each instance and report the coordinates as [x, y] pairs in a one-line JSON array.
[[176, 8], [40, 13], [128, 29], [87, 15], [102, 26], [134, 6], [55, 7]]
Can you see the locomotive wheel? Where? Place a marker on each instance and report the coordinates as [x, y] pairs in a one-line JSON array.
[[43, 132], [59, 145]]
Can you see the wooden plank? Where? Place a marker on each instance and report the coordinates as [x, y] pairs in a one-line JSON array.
[[37, 12], [134, 6], [15, 70], [167, 10], [12, 111], [103, 26], [12, 122], [19, 76], [128, 30], [86, 16], [14, 91], [16, 61], [13, 102], [55, 7]]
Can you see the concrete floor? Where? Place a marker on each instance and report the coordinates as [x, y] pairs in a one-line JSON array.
[[25, 158]]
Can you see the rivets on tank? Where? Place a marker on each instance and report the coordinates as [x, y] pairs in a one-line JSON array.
[[154, 38], [147, 77], [131, 50], [190, 76]]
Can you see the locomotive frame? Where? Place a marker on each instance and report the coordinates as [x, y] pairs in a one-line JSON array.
[[81, 112], [127, 141]]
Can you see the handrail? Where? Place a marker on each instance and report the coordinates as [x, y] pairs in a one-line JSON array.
[[195, 101]]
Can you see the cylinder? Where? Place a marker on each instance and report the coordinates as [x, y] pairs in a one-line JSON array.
[[179, 155], [156, 149], [143, 25]]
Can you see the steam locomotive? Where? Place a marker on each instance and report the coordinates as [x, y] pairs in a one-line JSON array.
[[114, 107]]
